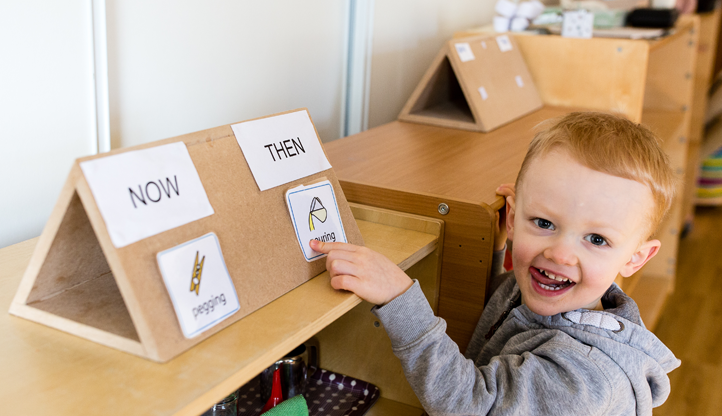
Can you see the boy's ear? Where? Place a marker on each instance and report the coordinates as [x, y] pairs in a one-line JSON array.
[[644, 253], [510, 211]]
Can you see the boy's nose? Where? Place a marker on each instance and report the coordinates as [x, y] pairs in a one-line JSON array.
[[561, 253]]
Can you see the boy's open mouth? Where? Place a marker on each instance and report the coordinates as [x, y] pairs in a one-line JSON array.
[[548, 284]]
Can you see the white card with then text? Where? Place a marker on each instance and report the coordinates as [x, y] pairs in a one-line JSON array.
[[281, 149], [145, 192], [315, 216], [198, 283]]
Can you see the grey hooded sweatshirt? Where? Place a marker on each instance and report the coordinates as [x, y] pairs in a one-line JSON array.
[[574, 363]]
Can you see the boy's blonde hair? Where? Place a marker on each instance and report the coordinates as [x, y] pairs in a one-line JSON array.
[[611, 145]]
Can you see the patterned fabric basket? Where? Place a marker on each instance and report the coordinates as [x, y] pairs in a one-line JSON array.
[[329, 394]]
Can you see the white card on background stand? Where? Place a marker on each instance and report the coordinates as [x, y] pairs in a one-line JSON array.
[[464, 51], [504, 43], [281, 149], [315, 216], [145, 192], [198, 283]]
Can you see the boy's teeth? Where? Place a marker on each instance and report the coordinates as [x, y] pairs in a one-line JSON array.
[[549, 287], [553, 276]]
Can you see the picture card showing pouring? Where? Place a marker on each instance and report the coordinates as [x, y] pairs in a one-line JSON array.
[[198, 283], [315, 216], [281, 149], [145, 192]]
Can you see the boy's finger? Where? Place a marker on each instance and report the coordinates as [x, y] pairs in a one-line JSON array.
[[506, 189], [505, 192], [322, 247], [344, 282], [341, 267], [350, 256]]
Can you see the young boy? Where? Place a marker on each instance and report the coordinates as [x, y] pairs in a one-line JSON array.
[[559, 338]]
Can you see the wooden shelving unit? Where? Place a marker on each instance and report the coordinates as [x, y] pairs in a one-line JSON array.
[[53, 372], [699, 143]]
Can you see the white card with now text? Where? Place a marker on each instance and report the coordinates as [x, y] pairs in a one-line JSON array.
[[145, 192], [281, 149], [315, 216], [198, 283]]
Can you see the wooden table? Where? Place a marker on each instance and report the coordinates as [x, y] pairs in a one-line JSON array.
[[49, 372]]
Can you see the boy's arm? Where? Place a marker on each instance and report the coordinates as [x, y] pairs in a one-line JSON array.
[[543, 380], [554, 377]]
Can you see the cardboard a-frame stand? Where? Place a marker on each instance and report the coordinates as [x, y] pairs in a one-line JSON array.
[[79, 282], [477, 83]]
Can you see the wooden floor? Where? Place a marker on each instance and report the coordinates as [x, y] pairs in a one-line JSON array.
[[691, 324]]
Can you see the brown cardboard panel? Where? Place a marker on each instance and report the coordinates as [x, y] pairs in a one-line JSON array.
[[75, 256], [75, 281], [255, 233], [504, 76], [96, 303], [443, 97], [448, 94]]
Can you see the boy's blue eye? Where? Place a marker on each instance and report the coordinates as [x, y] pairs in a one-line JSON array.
[[542, 223], [596, 239]]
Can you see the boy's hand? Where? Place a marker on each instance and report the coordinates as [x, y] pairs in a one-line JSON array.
[[368, 274], [504, 190]]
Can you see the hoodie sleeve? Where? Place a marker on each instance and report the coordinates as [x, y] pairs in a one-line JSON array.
[[552, 378]]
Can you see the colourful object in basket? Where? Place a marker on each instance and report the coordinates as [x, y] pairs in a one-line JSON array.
[[328, 394], [276, 396], [295, 406], [709, 183]]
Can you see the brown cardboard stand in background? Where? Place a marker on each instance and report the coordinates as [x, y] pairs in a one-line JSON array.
[[79, 282], [476, 83]]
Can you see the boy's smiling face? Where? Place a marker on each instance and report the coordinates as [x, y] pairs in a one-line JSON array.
[[573, 230]]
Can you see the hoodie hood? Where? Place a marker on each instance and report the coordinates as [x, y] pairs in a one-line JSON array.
[[618, 332]]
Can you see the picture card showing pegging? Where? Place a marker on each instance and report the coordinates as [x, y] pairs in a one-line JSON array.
[[198, 264]]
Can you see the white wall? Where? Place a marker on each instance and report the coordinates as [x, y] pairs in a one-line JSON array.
[[175, 67], [47, 116], [407, 35], [180, 66]]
